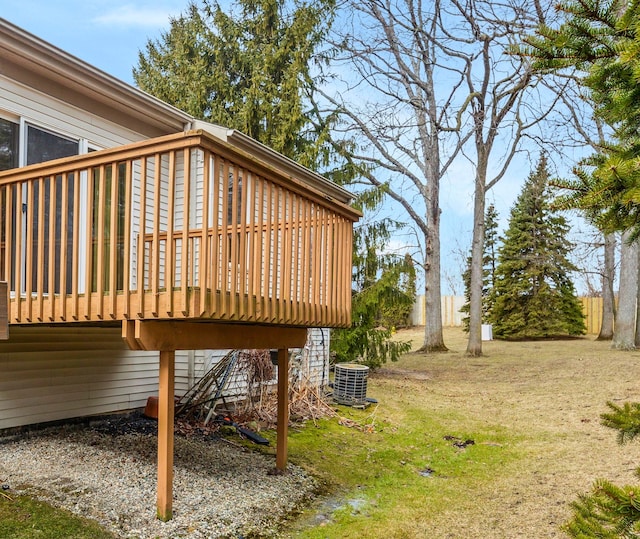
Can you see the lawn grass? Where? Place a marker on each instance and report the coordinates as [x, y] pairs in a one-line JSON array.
[[532, 410], [22, 517], [399, 466], [405, 472]]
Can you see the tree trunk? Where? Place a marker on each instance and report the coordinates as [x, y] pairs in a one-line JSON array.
[[637, 331], [608, 299], [625, 323], [433, 337], [474, 344]]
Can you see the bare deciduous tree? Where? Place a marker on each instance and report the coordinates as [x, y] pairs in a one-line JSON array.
[[625, 328], [608, 298], [430, 88]]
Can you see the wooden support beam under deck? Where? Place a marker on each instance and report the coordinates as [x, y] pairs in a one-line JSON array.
[[283, 410], [178, 335], [165, 434]]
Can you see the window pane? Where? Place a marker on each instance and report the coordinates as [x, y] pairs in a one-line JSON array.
[[8, 144], [44, 146]]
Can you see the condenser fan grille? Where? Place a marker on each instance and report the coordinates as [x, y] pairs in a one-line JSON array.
[[350, 383]]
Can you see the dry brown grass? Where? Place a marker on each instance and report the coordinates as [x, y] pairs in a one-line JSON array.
[[552, 392]]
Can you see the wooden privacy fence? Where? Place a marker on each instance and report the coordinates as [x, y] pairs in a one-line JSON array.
[[452, 317], [181, 226], [592, 309]]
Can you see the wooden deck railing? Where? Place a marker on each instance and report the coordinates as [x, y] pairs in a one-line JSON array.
[[171, 228]]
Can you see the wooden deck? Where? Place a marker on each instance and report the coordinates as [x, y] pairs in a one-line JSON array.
[[174, 228]]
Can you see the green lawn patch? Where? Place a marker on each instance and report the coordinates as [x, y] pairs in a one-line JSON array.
[[22, 517], [390, 473]]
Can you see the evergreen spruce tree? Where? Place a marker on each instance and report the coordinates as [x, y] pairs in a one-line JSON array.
[[598, 44], [247, 67], [489, 257], [533, 296], [601, 38]]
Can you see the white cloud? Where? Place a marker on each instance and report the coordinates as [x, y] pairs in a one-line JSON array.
[[131, 16]]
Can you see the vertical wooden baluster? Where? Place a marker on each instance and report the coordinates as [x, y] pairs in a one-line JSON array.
[[126, 262], [100, 239], [75, 252], [40, 267], [347, 262], [268, 295], [348, 256], [336, 273], [89, 244], [113, 241], [29, 247], [250, 269], [140, 266], [226, 262], [276, 276], [232, 231], [328, 273], [64, 244], [241, 235], [186, 250], [317, 266], [154, 254], [170, 262], [19, 259], [10, 245], [286, 257], [216, 238], [4, 209], [256, 268], [306, 257], [297, 258], [53, 201], [205, 264], [337, 265]]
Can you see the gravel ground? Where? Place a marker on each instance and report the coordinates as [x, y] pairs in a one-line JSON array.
[[107, 472]]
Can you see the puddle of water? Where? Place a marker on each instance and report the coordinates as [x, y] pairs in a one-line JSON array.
[[325, 512], [427, 472]]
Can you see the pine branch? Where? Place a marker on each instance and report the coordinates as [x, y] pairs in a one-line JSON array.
[[608, 512], [625, 419]]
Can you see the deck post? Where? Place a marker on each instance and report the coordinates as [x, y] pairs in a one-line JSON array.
[[165, 434], [283, 410]]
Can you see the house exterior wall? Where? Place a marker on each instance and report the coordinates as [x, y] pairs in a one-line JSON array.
[[311, 364], [55, 373], [22, 103]]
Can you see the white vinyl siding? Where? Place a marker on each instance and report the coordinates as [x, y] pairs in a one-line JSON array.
[[50, 373], [54, 373], [20, 101]]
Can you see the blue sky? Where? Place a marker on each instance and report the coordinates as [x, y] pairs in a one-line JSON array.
[[109, 34], [106, 33]]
